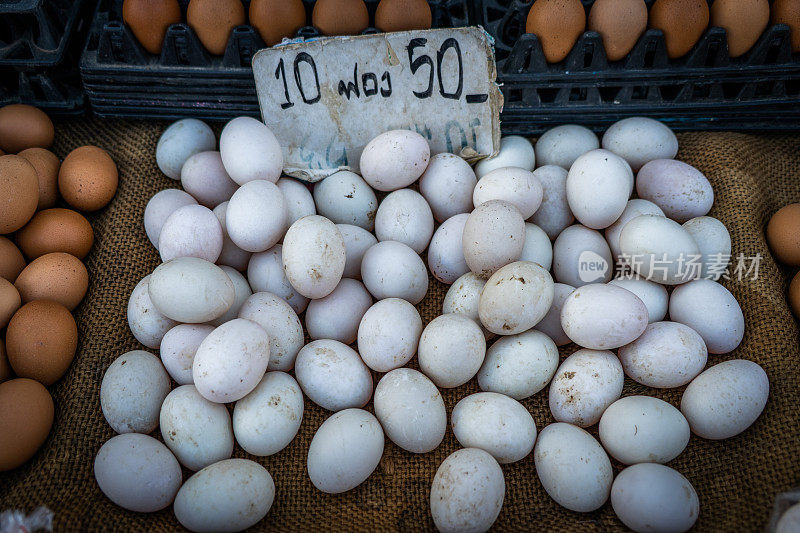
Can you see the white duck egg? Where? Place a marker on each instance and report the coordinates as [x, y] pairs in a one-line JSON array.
[[145, 321], [599, 184], [178, 348], [337, 315], [659, 249], [265, 274], [181, 140], [653, 295], [446, 253], [493, 237], [204, 177], [132, 390], [391, 269], [712, 311], [345, 198], [404, 216], [299, 201], [516, 186], [519, 366], [388, 334], [554, 214], [516, 298], [550, 325], [714, 242], [581, 256], [231, 255], [447, 185], [188, 289], [250, 151], [256, 218], [639, 140], [281, 323], [564, 144], [680, 190], [451, 350], [191, 231], [332, 375], [313, 256], [394, 159], [160, 207], [515, 151], [603, 317]]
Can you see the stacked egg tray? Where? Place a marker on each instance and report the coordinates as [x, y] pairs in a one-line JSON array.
[[122, 79], [40, 45], [705, 90]]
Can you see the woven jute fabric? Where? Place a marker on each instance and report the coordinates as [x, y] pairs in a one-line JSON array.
[[736, 479]]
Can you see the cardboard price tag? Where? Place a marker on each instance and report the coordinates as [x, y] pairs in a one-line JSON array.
[[325, 99]]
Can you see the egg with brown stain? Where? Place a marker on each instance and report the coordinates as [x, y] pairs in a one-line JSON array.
[[41, 340], [783, 235], [5, 368], [788, 12], [19, 192], [56, 230], [403, 15], [276, 19], [149, 20], [682, 22], [558, 24], [57, 276], [620, 23], [88, 178], [26, 416], [340, 17], [213, 21], [46, 165], [11, 260], [24, 126], [743, 20], [10, 301]]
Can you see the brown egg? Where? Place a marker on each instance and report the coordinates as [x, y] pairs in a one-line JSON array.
[[403, 15], [46, 165], [276, 19], [149, 20], [743, 20], [88, 178], [19, 192], [5, 368], [340, 17], [558, 24], [682, 21], [41, 341], [11, 260], [783, 235], [26, 416], [788, 12], [620, 23], [213, 21], [10, 301], [24, 126], [57, 276], [56, 230]]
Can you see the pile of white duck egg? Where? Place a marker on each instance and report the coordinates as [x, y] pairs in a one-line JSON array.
[[529, 256]]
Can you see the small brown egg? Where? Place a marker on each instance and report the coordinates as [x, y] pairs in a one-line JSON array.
[[743, 20], [88, 178], [41, 340], [149, 20], [56, 230], [213, 21], [46, 165], [788, 12], [682, 22], [276, 19], [620, 23], [340, 17], [19, 192], [403, 15], [10, 301], [24, 126], [5, 368], [783, 235], [11, 260], [558, 24], [26, 416], [57, 276]]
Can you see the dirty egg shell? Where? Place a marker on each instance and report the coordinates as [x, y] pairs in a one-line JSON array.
[[562, 145], [132, 391], [394, 159], [337, 315], [147, 323], [517, 186], [265, 274], [558, 24], [494, 423], [267, 420], [633, 209], [404, 216], [515, 151], [178, 347], [553, 214], [493, 237], [603, 317], [345, 198], [231, 495], [666, 355], [137, 472], [598, 186], [344, 451], [550, 325], [451, 350], [712, 311], [250, 151], [519, 366], [572, 467], [391, 269], [188, 289], [714, 242], [578, 245], [191, 231], [660, 249], [160, 207], [57, 276], [26, 416], [299, 201], [231, 255], [256, 216], [313, 256], [653, 295], [639, 140], [332, 375], [388, 334], [411, 410], [446, 253], [56, 230], [204, 177], [515, 298], [447, 186], [680, 190]]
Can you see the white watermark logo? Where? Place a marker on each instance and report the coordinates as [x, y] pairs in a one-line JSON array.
[[592, 267]]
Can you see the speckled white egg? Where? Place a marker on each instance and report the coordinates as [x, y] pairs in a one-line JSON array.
[[178, 348], [633, 209], [188, 289], [191, 231], [357, 241], [515, 151], [659, 249], [451, 350], [725, 399], [464, 297], [267, 420], [493, 237], [231, 255], [603, 317], [256, 218], [642, 429], [666, 355], [344, 451], [598, 185], [265, 274], [181, 140], [388, 334], [550, 325], [204, 177], [519, 366], [553, 214], [391, 269], [650, 497], [345, 198], [446, 253], [639, 140], [332, 375], [404, 216], [299, 201], [447, 186], [250, 151], [712, 311], [337, 315], [564, 144], [581, 256], [680, 190], [538, 248], [495, 423], [467, 492], [279, 320], [714, 242], [132, 390], [160, 207], [411, 410], [394, 159], [517, 186], [145, 321], [241, 291], [585, 384], [313, 256], [515, 298], [197, 430], [653, 295]]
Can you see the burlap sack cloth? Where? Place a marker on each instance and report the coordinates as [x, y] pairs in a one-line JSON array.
[[736, 479]]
